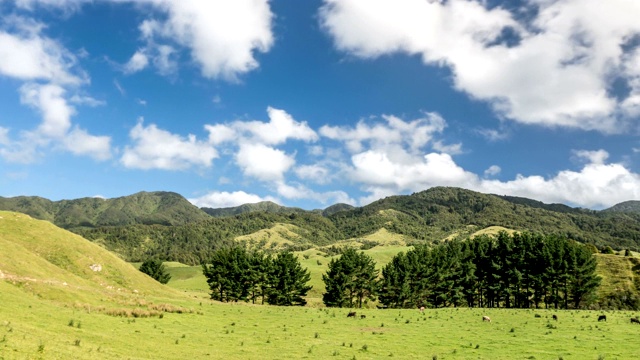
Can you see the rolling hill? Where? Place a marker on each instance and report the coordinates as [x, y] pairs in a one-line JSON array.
[[165, 208], [428, 216]]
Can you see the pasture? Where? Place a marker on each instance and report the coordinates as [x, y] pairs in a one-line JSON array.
[[31, 328], [54, 305]]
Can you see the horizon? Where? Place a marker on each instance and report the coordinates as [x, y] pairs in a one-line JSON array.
[[304, 209], [309, 104]]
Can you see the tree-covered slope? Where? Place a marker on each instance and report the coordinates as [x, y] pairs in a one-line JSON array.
[[427, 216], [631, 206], [263, 206], [164, 208]]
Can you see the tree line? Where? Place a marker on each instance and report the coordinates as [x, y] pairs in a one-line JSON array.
[[521, 270]]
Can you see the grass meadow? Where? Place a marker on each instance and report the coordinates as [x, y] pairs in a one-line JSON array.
[[54, 306], [31, 328]]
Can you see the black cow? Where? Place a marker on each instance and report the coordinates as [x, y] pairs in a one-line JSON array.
[[602, 318], [363, 316], [635, 321], [555, 317], [351, 314]]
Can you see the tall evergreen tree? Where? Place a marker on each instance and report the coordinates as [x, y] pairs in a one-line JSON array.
[[350, 280], [288, 280]]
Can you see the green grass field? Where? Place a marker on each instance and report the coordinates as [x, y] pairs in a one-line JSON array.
[[53, 306]]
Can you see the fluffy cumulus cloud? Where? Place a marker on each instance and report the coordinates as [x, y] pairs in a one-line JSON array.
[[596, 185], [155, 148], [263, 162], [556, 69], [280, 128], [223, 199], [413, 134], [221, 36], [48, 71]]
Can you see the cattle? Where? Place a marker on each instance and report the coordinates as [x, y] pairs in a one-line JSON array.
[[351, 314], [555, 317], [363, 316], [635, 321], [421, 309], [602, 318], [486, 318]]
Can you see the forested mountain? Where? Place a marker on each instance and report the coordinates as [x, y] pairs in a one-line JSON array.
[[427, 216], [263, 206], [166, 208], [632, 206]]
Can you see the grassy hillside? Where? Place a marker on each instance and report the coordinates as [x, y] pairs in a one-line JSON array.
[[53, 264], [164, 208], [42, 318]]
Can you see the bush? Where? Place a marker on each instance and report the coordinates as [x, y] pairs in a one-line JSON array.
[[156, 270]]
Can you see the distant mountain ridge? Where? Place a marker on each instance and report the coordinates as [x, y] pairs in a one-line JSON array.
[[265, 206], [160, 207], [632, 206]]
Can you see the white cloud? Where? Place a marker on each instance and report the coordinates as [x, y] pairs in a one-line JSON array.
[[50, 101], [596, 185], [593, 157], [225, 199], [263, 162], [451, 149], [314, 173], [299, 191], [86, 101], [138, 62], [280, 128], [155, 148], [27, 55], [222, 36], [557, 72], [80, 142], [493, 170], [414, 134]]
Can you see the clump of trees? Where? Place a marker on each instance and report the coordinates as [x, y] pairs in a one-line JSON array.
[[156, 270], [521, 270], [235, 274], [350, 280]]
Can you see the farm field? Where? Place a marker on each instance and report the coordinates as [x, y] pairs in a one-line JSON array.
[[31, 328], [56, 306]]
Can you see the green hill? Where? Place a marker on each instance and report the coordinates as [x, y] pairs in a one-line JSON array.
[[631, 206], [164, 208], [54, 264], [263, 206]]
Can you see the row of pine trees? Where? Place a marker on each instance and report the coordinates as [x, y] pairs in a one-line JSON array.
[[520, 270]]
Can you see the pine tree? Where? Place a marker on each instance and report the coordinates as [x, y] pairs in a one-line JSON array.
[[156, 270], [288, 281], [350, 280]]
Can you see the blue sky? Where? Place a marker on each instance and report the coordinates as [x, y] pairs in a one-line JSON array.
[[310, 103]]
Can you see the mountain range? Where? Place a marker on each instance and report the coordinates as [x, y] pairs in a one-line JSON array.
[[166, 225]]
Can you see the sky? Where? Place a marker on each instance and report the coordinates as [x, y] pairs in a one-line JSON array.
[[316, 102]]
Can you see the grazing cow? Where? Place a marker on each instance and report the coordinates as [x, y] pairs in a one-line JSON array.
[[555, 317], [602, 318], [351, 314], [635, 321], [421, 309], [363, 316], [486, 318]]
